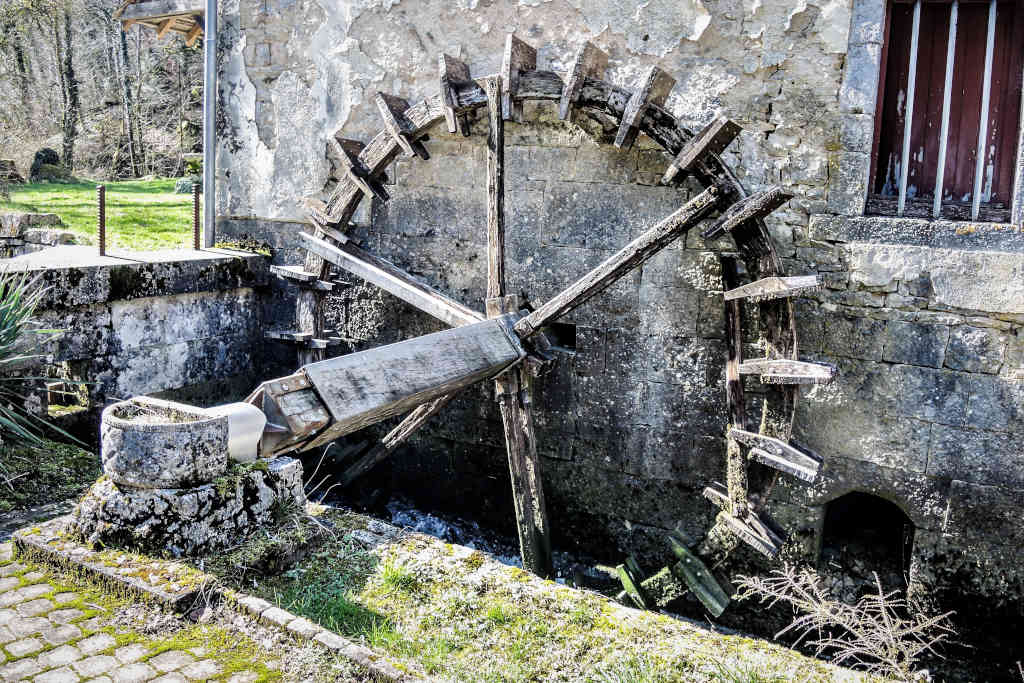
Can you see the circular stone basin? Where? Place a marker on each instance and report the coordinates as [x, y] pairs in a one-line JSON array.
[[153, 444]]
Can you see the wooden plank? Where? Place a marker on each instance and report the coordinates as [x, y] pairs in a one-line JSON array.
[[590, 62], [518, 57], [452, 71], [360, 389], [784, 371], [288, 335], [391, 110], [357, 174], [631, 582], [165, 26], [736, 464], [628, 258], [778, 454], [293, 410], [754, 207], [753, 528], [392, 279], [654, 89], [192, 37], [775, 287], [159, 8], [309, 318], [698, 578], [713, 139], [495, 189], [301, 277]]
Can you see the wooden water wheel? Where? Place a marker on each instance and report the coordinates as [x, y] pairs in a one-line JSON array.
[[753, 276]]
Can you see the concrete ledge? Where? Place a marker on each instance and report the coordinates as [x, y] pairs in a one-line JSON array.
[[78, 275], [918, 232]]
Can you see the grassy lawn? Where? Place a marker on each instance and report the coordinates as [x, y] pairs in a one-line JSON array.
[[141, 214]]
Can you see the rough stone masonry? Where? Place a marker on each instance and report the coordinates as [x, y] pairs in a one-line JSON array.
[[922, 318]]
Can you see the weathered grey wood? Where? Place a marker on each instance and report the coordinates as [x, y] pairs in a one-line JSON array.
[[293, 410], [631, 582], [392, 110], [288, 335], [452, 71], [392, 279], [713, 139], [360, 389], [160, 8], [309, 319], [518, 57], [654, 89], [629, 257], [495, 189], [778, 454], [590, 62], [382, 449], [784, 371], [695, 574], [736, 464], [301, 277], [355, 172], [753, 528], [756, 206], [770, 288]]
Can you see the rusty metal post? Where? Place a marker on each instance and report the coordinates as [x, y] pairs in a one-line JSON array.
[[195, 216], [101, 217]]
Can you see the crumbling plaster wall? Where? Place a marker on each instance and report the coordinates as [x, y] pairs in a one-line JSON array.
[[923, 319]]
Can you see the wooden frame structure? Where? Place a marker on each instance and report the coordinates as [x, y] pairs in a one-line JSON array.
[[165, 16], [754, 458]]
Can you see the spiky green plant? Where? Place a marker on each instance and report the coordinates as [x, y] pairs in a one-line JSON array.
[[20, 295]]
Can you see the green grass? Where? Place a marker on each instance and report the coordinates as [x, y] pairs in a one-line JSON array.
[[44, 474], [141, 214]]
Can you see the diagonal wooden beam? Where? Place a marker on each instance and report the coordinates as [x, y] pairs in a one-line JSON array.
[[618, 265], [392, 279]]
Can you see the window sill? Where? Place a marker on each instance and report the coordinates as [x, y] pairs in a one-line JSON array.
[[942, 234], [878, 205]]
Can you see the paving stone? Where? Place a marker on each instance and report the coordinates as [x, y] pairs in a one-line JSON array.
[[25, 646], [62, 634], [6, 615], [276, 615], [96, 643], [94, 666], [16, 671], [101, 679], [245, 677], [133, 673], [34, 607], [253, 605], [64, 675], [65, 616], [34, 576], [170, 660], [12, 568], [303, 628], [93, 624], [331, 640], [23, 594], [59, 656], [6, 551], [10, 583], [131, 653], [65, 598], [170, 678], [5, 635], [26, 626], [201, 670]]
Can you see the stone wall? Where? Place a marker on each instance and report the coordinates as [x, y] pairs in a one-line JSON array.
[[923, 318], [171, 323]]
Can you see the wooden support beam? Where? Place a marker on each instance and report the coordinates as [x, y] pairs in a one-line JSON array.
[[751, 208], [392, 110], [755, 529], [360, 389], [630, 577], [393, 280], [698, 578], [294, 412], [736, 463], [453, 71], [518, 57], [590, 62], [159, 8], [628, 258], [288, 335], [165, 26], [193, 34], [784, 371], [775, 287], [309, 319], [298, 275], [357, 174], [713, 139], [654, 89], [778, 454], [495, 189]]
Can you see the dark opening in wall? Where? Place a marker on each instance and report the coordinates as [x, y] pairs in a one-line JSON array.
[[863, 534], [562, 335]]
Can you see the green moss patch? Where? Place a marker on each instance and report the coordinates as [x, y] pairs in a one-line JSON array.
[[44, 474]]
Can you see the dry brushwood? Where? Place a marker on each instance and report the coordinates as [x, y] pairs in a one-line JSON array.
[[881, 632]]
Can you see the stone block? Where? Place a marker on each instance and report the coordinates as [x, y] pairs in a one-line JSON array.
[[975, 349], [668, 311], [868, 22], [183, 317], [856, 132], [984, 513], [95, 666], [976, 456], [996, 403], [932, 395], [672, 407], [915, 343], [604, 164], [848, 183], [684, 361], [852, 336], [858, 93]]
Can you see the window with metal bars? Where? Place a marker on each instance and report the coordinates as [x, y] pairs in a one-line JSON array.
[[946, 133]]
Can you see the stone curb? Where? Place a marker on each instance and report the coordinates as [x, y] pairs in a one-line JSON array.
[[34, 542]]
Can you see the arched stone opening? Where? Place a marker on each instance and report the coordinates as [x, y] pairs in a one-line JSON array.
[[864, 533]]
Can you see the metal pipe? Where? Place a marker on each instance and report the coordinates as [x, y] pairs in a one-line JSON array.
[[196, 224], [101, 218], [209, 123], [908, 118], [947, 96], [986, 94]]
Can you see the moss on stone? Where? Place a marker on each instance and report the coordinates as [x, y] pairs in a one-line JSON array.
[[44, 474]]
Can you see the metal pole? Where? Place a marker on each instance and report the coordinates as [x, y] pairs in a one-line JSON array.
[[101, 218], [196, 223], [209, 123], [908, 116]]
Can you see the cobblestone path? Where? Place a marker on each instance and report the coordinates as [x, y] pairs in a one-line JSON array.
[[50, 634]]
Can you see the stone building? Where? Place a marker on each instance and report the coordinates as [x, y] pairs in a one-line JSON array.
[[921, 313]]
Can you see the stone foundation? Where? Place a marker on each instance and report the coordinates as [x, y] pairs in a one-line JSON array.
[[189, 521], [25, 233]]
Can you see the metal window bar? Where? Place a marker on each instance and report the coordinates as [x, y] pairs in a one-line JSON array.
[[986, 94], [908, 119], [947, 95]]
